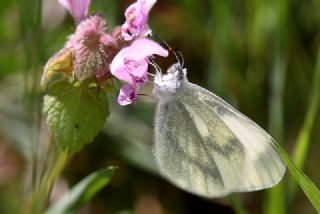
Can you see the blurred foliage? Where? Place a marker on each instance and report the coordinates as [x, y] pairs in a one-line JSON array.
[[81, 193], [259, 55]]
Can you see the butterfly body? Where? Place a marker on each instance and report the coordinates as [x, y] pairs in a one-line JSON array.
[[204, 145]]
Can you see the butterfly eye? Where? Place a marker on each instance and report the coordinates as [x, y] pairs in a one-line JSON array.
[[180, 74]]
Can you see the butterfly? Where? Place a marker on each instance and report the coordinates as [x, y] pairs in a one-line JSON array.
[[204, 145]]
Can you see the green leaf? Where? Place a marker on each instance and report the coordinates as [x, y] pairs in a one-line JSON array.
[[81, 193], [308, 187], [75, 114]]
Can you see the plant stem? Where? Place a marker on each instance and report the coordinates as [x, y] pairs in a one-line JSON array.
[[31, 36], [54, 164], [219, 59], [275, 201]]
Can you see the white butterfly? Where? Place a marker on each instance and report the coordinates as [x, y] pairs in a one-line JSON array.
[[204, 145]]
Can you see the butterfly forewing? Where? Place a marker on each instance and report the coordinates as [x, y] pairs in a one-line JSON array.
[[207, 147]]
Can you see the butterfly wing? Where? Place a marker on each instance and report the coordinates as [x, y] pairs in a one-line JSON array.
[[207, 147]]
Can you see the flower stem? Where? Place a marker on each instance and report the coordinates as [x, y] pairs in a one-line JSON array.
[[54, 164]]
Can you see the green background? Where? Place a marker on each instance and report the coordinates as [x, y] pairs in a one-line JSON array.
[[259, 55]]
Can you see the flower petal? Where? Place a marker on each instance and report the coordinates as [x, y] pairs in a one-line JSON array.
[[131, 65], [77, 8], [148, 4], [119, 69], [136, 19], [65, 3], [142, 48], [127, 95]]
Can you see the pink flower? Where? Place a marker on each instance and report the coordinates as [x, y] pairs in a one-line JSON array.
[[128, 94], [77, 8], [131, 66], [93, 49], [136, 20]]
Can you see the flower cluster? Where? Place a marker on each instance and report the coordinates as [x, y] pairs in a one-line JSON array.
[[93, 49], [131, 65], [123, 54]]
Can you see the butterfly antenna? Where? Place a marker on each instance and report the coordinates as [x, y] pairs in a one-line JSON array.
[[155, 65], [150, 74], [153, 83], [177, 53]]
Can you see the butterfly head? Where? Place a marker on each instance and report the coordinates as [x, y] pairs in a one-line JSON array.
[[167, 84], [170, 82]]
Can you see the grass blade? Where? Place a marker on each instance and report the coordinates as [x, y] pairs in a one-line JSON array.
[[82, 192], [308, 187], [303, 140]]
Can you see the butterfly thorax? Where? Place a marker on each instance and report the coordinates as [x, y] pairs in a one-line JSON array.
[[167, 85]]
